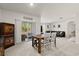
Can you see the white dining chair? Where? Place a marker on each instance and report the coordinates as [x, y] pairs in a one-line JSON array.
[[53, 39], [48, 35], [46, 43]]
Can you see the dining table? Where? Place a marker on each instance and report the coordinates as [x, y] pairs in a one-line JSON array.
[[36, 39]]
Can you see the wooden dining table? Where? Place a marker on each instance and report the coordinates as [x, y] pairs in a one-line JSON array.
[[38, 38]]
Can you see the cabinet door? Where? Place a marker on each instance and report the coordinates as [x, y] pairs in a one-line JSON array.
[[8, 29]]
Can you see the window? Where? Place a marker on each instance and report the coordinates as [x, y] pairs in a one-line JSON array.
[[26, 27]]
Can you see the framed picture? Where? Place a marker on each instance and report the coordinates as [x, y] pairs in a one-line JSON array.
[[47, 26], [58, 26], [53, 25]]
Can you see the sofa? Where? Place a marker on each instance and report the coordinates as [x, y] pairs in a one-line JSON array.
[[58, 33]]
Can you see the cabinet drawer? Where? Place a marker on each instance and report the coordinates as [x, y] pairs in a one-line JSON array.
[[8, 40]]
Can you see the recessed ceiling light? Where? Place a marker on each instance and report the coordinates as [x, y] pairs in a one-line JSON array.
[[31, 4]]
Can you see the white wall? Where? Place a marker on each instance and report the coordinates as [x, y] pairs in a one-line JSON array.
[[38, 25], [33, 27], [53, 12], [17, 31], [63, 25], [0, 14], [61, 14], [10, 16], [77, 27]]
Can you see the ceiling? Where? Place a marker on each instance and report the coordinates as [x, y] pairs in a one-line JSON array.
[[23, 8], [37, 9]]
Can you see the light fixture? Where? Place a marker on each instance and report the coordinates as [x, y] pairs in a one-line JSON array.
[[31, 4]]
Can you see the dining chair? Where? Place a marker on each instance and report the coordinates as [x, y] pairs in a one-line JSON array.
[[46, 43], [53, 38], [48, 35]]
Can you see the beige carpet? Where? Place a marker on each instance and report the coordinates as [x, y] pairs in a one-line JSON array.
[[65, 47]]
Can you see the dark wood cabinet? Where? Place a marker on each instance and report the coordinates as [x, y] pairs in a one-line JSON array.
[[6, 29], [7, 34], [2, 51], [8, 41]]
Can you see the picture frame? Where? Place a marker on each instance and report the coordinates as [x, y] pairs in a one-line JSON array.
[[54, 26], [58, 26]]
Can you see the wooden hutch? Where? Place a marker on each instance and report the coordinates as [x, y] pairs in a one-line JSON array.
[[6, 35]]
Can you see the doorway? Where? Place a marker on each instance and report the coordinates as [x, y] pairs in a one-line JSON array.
[[71, 29], [26, 31]]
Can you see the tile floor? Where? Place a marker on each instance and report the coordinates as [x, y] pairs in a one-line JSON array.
[[65, 47]]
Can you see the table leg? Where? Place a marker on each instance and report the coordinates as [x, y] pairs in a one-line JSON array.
[[36, 43], [33, 41], [39, 45]]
